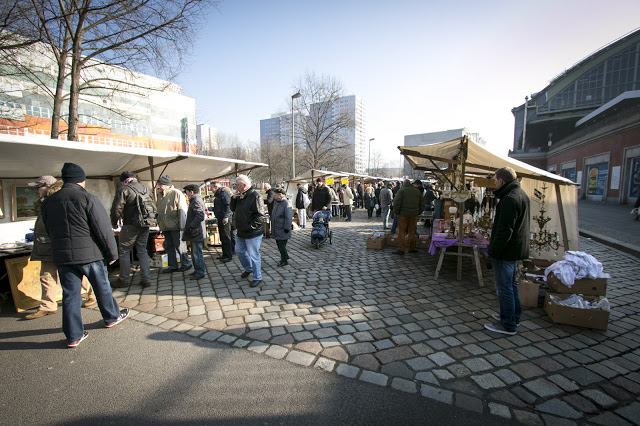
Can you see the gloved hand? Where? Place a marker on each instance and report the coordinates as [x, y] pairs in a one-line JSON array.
[[286, 231], [225, 220], [194, 232]]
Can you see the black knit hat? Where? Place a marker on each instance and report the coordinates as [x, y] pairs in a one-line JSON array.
[[72, 173], [126, 175], [164, 180]]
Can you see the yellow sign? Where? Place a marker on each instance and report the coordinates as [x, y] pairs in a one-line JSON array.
[[329, 181], [345, 181]]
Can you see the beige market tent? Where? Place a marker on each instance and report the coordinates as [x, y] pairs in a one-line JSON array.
[[474, 161], [30, 157]]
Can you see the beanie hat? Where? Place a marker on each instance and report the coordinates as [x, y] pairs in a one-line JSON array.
[[164, 180], [126, 175], [319, 180], [72, 173]]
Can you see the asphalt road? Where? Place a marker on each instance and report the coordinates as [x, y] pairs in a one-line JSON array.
[[140, 374]]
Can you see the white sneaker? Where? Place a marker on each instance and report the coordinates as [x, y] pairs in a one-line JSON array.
[[498, 328], [634, 211], [496, 317]]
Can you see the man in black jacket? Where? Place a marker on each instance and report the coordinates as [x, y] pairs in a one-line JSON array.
[[83, 244], [321, 197], [195, 229], [248, 208], [509, 243], [222, 212], [125, 207]]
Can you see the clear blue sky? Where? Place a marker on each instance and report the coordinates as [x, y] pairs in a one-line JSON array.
[[421, 66]]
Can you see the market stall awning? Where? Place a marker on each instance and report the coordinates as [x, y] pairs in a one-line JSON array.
[[312, 174], [438, 157], [29, 157]]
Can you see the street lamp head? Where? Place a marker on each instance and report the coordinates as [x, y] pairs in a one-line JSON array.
[[297, 95], [372, 139]]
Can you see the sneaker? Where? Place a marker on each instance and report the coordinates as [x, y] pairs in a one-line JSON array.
[[245, 274], [634, 211], [124, 313], [38, 314], [498, 328], [88, 303], [496, 317], [77, 342]]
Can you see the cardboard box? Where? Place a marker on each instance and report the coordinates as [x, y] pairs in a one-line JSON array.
[[160, 260], [375, 243], [391, 239], [528, 291], [588, 318], [423, 241], [585, 286]]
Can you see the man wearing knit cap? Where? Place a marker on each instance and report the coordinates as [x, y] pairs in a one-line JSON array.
[[133, 233], [83, 243], [321, 196], [195, 229], [172, 216]]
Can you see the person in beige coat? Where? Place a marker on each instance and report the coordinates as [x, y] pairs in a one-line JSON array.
[[347, 199], [172, 216]]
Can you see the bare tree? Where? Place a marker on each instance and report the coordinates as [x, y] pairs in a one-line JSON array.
[[325, 128], [139, 35]]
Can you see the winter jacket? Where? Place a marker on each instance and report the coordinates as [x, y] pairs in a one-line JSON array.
[[270, 198], [370, 200], [42, 248], [302, 199], [172, 210], [335, 200], [321, 198], [195, 220], [281, 219], [430, 197], [347, 195], [408, 201], [248, 209], [221, 203], [510, 232], [386, 197], [125, 203], [79, 227]]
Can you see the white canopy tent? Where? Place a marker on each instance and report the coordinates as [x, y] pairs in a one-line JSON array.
[[477, 162]]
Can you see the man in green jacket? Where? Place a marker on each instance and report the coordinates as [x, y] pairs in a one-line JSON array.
[[407, 205]]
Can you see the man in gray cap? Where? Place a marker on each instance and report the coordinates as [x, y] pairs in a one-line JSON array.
[[42, 251], [172, 216], [83, 244]]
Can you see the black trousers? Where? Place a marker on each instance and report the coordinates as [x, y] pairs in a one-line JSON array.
[[282, 246], [225, 238]]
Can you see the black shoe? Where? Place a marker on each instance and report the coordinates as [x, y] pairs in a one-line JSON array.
[[119, 284], [283, 263], [144, 284], [348, 220], [169, 271], [255, 283], [413, 251], [400, 252], [196, 277], [220, 257], [245, 274], [185, 268], [225, 259]]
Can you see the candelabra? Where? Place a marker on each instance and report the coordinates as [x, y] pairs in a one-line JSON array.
[[542, 239], [452, 229]]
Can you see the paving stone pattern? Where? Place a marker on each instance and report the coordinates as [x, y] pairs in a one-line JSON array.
[[373, 316]]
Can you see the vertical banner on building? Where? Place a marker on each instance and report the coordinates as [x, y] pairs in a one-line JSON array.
[[634, 178], [596, 178], [615, 177]]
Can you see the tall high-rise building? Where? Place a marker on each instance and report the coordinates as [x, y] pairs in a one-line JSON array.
[[278, 128], [207, 138]]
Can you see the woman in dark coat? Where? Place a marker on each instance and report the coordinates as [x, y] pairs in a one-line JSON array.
[[370, 201], [281, 223]]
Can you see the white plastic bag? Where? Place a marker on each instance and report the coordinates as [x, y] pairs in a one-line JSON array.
[[377, 206]]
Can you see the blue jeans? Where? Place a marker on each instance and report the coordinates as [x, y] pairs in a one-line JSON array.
[[172, 248], [394, 226], [197, 257], [71, 281], [248, 251], [504, 277], [385, 215]]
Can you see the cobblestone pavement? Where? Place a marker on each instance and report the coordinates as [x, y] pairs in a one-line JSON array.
[[380, 318]]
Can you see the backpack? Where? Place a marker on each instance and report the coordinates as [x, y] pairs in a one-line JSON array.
[[146, 212]]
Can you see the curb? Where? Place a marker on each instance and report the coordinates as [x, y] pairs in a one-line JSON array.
[[631, 249]]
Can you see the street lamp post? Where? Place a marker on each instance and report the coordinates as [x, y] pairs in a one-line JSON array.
[[293, 143], [369, 161]]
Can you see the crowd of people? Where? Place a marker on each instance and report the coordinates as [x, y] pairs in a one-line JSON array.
[[74, 236]]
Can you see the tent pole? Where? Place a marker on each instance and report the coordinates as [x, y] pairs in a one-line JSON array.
[[563, 224], [153, 179]]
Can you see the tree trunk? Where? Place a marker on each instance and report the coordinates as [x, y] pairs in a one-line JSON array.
[[58, 96]]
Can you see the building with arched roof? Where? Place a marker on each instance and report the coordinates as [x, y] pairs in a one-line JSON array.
[[585, 125]]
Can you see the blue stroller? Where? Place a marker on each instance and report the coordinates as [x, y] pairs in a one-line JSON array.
[[320, 231]]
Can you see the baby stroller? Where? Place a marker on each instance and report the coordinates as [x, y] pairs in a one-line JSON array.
[[320, 231]]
